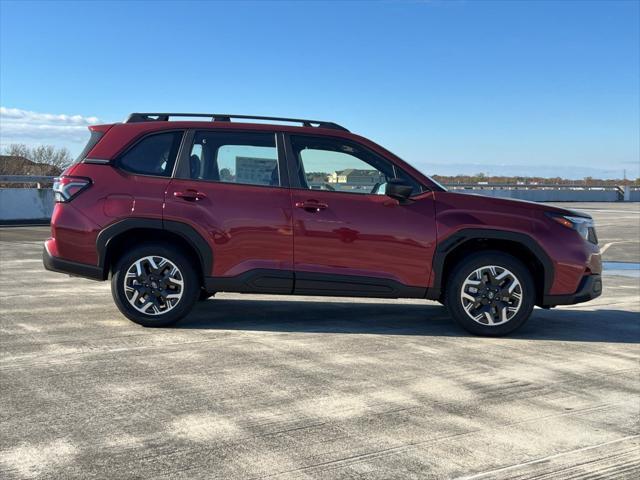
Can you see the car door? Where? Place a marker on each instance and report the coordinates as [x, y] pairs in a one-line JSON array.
[[349, 237], [137, 185], [231, 186]]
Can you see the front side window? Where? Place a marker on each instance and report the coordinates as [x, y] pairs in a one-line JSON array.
[[153, 155], [336, 165], [246, 158]]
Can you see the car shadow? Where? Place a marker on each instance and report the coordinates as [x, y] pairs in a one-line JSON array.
[[347, 317]]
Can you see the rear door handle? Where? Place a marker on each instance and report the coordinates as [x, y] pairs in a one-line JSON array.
[[191, 195], [312, 206]]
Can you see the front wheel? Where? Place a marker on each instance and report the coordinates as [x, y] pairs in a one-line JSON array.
[[154, 285], [490, 293]]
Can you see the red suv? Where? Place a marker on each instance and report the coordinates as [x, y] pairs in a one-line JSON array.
[[175, 211]]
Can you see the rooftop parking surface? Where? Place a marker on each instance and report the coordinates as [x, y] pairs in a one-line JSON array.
[[252, 386]]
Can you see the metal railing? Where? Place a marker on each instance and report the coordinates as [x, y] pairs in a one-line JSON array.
[[26, 179], [529, 186], [38, 180]]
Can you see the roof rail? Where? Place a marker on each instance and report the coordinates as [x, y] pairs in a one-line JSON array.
[[224, 117]]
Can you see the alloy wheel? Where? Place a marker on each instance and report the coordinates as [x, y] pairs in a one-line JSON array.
[[153, 285], [491, 295]]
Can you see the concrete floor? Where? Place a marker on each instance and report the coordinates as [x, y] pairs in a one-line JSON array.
[[296, 388]]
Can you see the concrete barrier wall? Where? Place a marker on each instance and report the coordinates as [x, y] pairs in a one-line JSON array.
[[551, 195], [25, 204]]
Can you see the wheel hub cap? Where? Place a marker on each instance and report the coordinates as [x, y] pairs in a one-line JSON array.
[[491, 295], [153, 285]]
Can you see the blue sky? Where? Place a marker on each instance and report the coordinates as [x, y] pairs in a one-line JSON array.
[[503, 87]]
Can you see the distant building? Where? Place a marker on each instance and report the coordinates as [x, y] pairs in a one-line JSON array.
[[316, 181], [256, 171], [355, 177]]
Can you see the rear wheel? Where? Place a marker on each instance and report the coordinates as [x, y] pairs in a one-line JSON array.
[[490, 293], [154, 285]]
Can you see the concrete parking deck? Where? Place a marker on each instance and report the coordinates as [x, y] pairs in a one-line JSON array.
[[292, 387]]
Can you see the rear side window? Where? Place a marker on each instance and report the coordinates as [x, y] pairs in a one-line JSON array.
[[153, 155], [246, 158]]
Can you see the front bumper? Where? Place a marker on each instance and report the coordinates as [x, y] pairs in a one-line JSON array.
[[57, 264], [590, 287]]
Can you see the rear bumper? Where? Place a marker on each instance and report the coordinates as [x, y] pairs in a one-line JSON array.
[[590, 287], [57, 264]]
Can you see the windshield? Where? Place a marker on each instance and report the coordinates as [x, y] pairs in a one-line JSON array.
[[437, 182], [428, 176]]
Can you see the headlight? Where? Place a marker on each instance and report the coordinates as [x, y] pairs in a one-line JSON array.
[[583, 225]]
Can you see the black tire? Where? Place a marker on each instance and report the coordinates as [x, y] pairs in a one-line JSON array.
[[187, 273], [467, 267]]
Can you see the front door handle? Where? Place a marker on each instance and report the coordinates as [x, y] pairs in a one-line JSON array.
[[191, 195], [312, 206]]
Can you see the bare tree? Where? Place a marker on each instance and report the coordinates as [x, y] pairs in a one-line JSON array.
[[17, 150], [60, 158]]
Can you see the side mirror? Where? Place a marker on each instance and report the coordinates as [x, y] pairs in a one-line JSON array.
[[398, 190]]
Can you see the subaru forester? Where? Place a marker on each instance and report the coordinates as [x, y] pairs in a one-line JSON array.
[[172, 208]]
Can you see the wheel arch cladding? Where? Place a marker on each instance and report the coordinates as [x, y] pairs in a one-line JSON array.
[[113, 238], [467, 241]]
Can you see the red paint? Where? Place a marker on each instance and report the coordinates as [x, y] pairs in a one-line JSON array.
[[570, 254], [246, 226], [370, 235], [249, 227]]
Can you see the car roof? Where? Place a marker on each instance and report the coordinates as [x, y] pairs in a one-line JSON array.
[[119, 136], [227, 118]]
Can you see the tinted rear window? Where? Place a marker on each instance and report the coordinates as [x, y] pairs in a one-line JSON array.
[[153, 155]]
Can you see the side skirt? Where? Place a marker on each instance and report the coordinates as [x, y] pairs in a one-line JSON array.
[[308, 283]]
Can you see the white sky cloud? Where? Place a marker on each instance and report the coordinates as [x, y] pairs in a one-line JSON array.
[[24, 126], [29, 116]]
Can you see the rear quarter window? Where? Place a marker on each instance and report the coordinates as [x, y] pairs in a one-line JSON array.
[[152, 155]]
